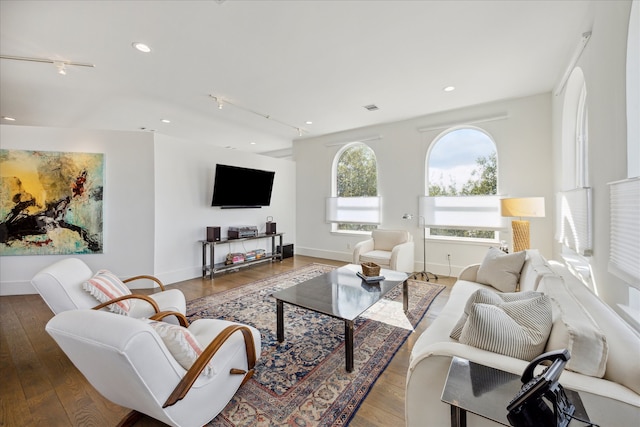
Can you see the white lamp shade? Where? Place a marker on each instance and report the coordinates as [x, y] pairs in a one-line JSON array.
[[462, 212], [527, 207]]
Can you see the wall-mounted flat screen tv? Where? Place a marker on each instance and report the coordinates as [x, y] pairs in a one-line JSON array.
[[236, 187]]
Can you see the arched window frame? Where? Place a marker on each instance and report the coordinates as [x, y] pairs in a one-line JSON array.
[[464, 206], [343, 212]]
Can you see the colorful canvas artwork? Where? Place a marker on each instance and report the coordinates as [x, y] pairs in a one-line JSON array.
[[50, 202]]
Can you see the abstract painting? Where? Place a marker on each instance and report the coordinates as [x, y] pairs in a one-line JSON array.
[[50, 202]]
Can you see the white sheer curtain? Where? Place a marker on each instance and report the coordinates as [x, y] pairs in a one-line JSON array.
[[575, 224], [462, 212], [355, 210], [624, 250]]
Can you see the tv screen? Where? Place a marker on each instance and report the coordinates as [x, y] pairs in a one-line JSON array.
[[236, 187]]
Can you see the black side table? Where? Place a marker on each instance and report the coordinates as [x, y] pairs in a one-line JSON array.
[[486, 392]]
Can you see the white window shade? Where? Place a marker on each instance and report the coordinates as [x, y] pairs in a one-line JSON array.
[[462, 212], [575, 224], [624, 250], [354, 210]]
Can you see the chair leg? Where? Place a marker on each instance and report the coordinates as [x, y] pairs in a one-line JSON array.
[[130, 419]]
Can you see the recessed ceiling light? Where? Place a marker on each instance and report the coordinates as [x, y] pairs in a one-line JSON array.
[[141, 47], [11, 119], [252, 143], [309, 122], [165, 121], [371, 107], [449, 88]]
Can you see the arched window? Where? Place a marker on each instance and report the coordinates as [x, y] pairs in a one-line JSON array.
[[355, 205], [463, 162]]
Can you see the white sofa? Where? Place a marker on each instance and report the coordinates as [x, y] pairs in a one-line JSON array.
[[613, 400]]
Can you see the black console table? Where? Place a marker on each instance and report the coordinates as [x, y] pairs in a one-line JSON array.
[[211, 267]]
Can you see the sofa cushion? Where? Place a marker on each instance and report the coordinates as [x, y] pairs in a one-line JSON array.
[[105, 286], [535, 266], [485, 296], [575, 330], [500, 270], [518, 329]]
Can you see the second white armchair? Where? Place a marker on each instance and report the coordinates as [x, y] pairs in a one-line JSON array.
[[392, 249]]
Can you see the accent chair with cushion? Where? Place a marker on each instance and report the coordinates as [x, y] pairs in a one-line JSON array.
[[69, 284], [182, 376], [392, 249]]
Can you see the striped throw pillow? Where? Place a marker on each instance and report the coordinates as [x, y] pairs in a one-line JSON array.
[[518, 329], [181, 343], [485, 296], [105, 286]]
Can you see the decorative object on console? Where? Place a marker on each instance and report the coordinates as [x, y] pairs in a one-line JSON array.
[[528, 207], [270, 226], [242, 231], [213, 234]]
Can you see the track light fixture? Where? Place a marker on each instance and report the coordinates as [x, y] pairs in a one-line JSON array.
[[60, 64], [62, 69], [222, 102]]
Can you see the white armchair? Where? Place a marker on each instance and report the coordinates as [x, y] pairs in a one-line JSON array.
[[392, 249], [131, 364], [61, 287]]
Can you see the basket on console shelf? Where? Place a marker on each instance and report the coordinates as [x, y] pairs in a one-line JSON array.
[[370, 269]]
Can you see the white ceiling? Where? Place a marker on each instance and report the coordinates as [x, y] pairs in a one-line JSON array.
[[295, 61]]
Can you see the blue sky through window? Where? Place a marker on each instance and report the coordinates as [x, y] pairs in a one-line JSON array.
[[453, 157]]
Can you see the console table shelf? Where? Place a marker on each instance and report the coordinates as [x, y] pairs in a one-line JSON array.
[[211, 267]]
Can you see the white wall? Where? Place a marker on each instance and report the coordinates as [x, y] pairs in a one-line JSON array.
[[523, 140], [603, 64], [157, 201], [128, 200], [183, 204]]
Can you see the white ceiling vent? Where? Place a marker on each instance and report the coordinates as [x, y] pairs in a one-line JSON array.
[[371, 107]]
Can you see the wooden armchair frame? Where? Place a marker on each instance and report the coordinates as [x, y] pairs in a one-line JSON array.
[[185, 384], [136, 296]]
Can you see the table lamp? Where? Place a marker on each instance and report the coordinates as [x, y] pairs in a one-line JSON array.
[[527, 207]]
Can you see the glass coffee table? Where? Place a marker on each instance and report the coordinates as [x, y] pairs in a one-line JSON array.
[[340, 294]]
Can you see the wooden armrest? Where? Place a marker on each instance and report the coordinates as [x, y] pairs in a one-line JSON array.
[[196, 369], [136, 296], [155, 279], [162, 314]]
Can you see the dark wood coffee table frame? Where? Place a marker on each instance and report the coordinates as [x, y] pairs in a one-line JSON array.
[[322, 295]]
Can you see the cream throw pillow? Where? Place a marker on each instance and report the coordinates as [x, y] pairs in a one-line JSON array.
[[501, 270], [518, 329], [181, 343], [485, 296], [105, 286]]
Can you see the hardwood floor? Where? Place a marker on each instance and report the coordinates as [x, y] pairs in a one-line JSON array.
[[40, 386]]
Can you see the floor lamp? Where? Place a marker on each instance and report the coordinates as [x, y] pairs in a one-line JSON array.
[[527, 207], [424, 274]]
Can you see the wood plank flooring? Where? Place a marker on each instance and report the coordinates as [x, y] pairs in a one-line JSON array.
[[40, 386]]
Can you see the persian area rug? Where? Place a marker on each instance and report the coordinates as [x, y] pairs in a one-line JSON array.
[[303, 381]]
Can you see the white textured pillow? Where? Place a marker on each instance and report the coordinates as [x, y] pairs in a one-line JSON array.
[[518, 329], [575, 330], [105, 286], [485, 296], [500, 270], [181, 343]]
